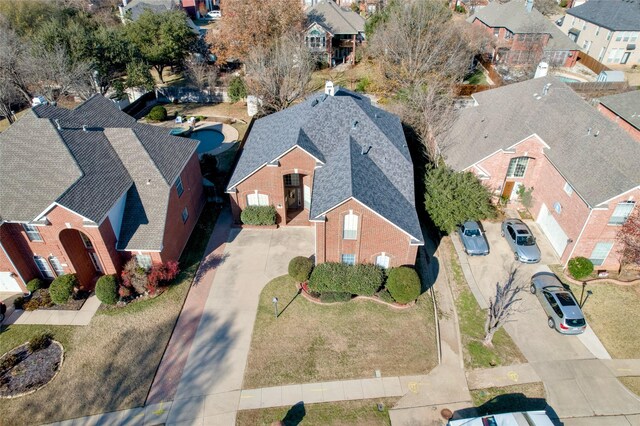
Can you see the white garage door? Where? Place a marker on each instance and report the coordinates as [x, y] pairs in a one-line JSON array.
[[8, 283], [552, 230]]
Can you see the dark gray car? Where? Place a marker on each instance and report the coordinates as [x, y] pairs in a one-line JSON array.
[[473, 239], [563, 312], [522, 242]]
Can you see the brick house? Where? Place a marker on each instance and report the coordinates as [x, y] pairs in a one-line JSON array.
[[333, 33], [584, 171], [84, 190], [336, 163], [523, 36], [624, 109]]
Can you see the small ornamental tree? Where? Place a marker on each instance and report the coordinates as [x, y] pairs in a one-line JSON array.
[[629, 237], [237, 89], [404, 284], [300, 268], [161, 273], [134, 277], [580, 267], [454, 197], [501, 307], [107, 289], [61, 288]]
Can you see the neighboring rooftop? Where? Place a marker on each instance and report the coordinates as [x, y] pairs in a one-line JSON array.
[[625, 105], [137, 7], [598, 158], [85, 160], [515, 17], [614, 15], [357, 146], [335, 19]]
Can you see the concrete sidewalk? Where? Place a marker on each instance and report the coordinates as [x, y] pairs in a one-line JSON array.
[[54, 317]]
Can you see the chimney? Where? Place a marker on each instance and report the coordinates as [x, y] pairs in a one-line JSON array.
[[328, 88], [125, 2], [542, 70], [529, 5]]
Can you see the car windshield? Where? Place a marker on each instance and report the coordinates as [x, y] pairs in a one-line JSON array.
[[472, 232], [525, 241], [576, 322], [565, 299]]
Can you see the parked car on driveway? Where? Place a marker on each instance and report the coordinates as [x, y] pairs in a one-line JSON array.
[[521, 240], [473, 239], [563, 312], [214, 14]]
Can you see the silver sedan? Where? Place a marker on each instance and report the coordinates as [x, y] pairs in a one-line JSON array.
[[563, 312], [521, 240]]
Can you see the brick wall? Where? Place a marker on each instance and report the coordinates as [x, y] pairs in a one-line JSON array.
[[635, 133], [177, 232], [375, 236], [269, 180]]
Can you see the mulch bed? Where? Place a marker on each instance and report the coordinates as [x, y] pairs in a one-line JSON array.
[[42, 299], [32, 372]]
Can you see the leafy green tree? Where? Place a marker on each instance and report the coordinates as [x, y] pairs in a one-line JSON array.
[[111, 54], [138, 75], [237, 89], [163, 39], [452, 197]]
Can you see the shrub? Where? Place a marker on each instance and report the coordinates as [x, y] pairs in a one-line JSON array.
[[258, 215], [35, 284], [157, 113], [359, 279], [403, 284], [334, 296], [161, 274], [300, 268], [18, 303], [580, 267], [41, 341], [563, 3], [134, 276], [237, 89], [62, 287], [107, 289], [9, 362], [42, 299], [385, 296], [362, 85]]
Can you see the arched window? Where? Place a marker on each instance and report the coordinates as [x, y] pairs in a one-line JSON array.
[[382, 260], [517, 167], [350, 226], [256, 199]]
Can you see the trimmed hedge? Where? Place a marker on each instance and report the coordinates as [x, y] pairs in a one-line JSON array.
[[332, 296], [259, 215], [300, 268], [157, 113], [107, 289], [580, 267], [361, 279], [35, 284], [61, 288], [404, 284]]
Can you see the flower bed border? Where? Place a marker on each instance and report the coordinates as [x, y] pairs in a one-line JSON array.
[[600, 280], [243, 226], [317, 301]]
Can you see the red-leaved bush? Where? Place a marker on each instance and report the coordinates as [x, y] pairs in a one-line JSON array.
[[629, 236], [161, 273]]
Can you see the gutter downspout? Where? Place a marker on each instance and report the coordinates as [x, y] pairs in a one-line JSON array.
[[579, 236]]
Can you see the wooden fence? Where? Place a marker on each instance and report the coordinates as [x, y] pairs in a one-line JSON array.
[[592, 63], [470, 89], [598, 88], [491, 71]]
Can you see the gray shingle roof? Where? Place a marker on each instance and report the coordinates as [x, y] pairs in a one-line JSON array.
[[597, 167], [626, 105], [87, 171], [137, 7], [514, 17], [382, 179], [615, 15], [335, 19]]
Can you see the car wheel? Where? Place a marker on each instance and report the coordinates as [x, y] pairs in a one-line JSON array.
[[502, 233], [515, 255], [532, 289], [551, 322]]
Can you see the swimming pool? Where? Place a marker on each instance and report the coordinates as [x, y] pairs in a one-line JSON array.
[[209, 139]]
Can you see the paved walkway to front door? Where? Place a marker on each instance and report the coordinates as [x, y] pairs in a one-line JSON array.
[[82, 316]]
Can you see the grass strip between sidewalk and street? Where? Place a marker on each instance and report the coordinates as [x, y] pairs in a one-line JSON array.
[[632, 383], [363, 412], [472, 319], [507, 399]]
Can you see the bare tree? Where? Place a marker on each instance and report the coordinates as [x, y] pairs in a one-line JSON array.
[[502, 306], [201, 74], [629, 237], [9, 97], [279, 74], [14, 53]]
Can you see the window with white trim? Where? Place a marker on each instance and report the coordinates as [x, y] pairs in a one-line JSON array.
[[350, 226], [86, 241], [185, 215], [598, 31], [32, 232], [144, 261], [43, 267], [621, 213], [600, 253], [57, 266], [517, 167], [349, 259], [609, 36], [567, 188], [382, 261], [179, 187], [256, 199]]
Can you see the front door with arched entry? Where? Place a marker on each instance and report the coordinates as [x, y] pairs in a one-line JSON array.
[[82, 255]]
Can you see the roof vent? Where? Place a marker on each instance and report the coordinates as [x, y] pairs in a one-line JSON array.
[[595, 135], [314, 102], [323, 97], [588, 131], [58, 126], [354, 125], [545, 89], [84, 128], [148, 181], [365, 151]]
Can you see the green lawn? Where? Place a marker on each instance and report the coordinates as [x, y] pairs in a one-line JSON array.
[[472, 319], [110, 363], [364, 412], [632, 383], [312, 343], [477, 78], [525, 397]]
